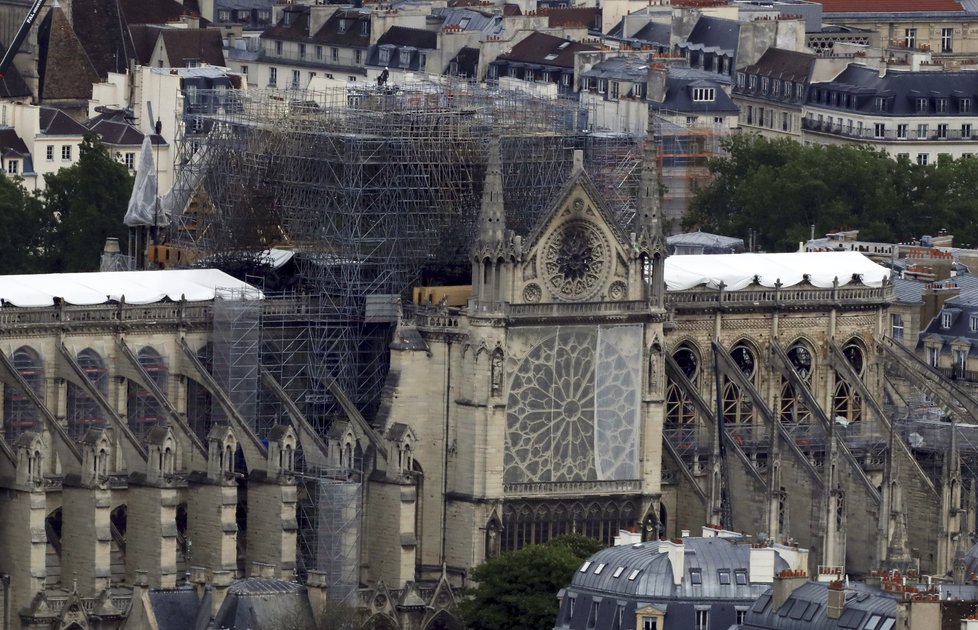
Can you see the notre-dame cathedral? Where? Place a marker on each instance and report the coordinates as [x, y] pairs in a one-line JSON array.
[[584, 382]]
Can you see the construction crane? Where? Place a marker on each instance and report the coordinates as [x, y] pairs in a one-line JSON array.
[[25, 28]]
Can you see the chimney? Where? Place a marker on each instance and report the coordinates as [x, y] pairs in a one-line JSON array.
[[785, 584], [836, 600], [762, 564]]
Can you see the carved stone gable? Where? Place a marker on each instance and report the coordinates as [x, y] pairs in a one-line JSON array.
[[577, 254]]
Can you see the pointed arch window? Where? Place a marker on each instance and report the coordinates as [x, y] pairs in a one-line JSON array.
[[847, 403], [793, 409], [737, 406], [19, 412], [84, 411], [145, 412]]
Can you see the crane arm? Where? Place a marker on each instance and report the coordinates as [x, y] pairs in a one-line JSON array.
[[25, 27]]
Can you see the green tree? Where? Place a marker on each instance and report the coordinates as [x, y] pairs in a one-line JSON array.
[[518, 589], [24, 226], [88, 202], [779, 189]]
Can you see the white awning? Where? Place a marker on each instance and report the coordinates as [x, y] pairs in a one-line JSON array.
[[737, 271], [137, 287]]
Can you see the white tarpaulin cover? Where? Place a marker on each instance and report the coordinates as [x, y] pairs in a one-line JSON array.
[[138, 287], [737, 271], [142, 210]]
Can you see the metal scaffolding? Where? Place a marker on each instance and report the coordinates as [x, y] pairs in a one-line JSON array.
[[371, 187]]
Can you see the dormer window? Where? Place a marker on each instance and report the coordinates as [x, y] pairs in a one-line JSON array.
[[946, 319], [940, 105], [365, 28], [920, 105], [765, 84], [703, 94], [343, 25], [385, 56], [776, 88], [800, 91], [964, 105], [741, 79], [405, 57], [973, 323], [880, 104], [753, 81]]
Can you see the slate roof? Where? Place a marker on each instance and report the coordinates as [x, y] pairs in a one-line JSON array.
[[714, 33], [472, 19], [631, 68], [143, 38], [405, 36], [122, 134], [261, 603], [174, 608], [654, 33], [203, 45], [297, 30], [538, 47], [908, 291], [679, 97], [889, 6], [645, 579], [54, 122], [806, 608], [901, 90], [787, 65], [11, 145], [111, 49], [960, 307], [64, 69]]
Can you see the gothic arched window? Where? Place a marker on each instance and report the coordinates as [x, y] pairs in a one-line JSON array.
[[83, 410], [145, 412], [19, 413]]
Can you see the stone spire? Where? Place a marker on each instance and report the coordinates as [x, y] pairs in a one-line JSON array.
[[492, 215], [648, 222], [898, 549]]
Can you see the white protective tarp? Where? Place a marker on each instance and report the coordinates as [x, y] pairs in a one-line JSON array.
[[137, 287], [143, 210], [737, 271]]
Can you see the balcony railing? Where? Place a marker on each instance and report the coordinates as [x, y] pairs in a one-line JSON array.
[[889, 135], [560, 488]]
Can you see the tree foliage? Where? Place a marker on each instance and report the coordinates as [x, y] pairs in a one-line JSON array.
[[24, 227], [780, 189], [518, 590], [87, 202]]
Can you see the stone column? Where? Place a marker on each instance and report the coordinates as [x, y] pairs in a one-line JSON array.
[[86, 539], [151, 535], [271, 525]]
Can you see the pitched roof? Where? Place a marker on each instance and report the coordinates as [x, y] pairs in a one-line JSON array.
[[64, 69], [571, 17], [713, 32], [119, 133], [540, 48], [788, 65], [889, 6], [111, 50], [11, 144], [143, 37], [654, 33], [204, 45], [405, 36], [54, 122]]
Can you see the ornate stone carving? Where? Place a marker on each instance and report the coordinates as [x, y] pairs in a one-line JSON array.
[[532, 293], [618, 291], [575, 260]]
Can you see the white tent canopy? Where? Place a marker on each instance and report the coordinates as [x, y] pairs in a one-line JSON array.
[[737, 271], [137, 287]]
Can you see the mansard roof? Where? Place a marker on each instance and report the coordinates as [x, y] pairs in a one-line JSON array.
[[806, 608], [900, 90]]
